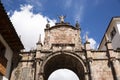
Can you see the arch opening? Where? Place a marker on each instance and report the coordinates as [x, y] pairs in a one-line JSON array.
[[64, 61], [63, 74]]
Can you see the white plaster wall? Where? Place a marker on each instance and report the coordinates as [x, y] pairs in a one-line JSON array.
[[116, 39], [8, 55], [118, 26]]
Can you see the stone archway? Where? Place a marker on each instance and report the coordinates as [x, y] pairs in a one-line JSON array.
[[61, 60]]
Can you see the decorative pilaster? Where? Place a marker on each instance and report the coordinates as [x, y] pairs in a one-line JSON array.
[[90, 68], [39, 43], [78, 44], [111, 57], [87, 47], [41, 76], [88, 57], [37, 59], [116, 66], [38, 64], [87, 44]]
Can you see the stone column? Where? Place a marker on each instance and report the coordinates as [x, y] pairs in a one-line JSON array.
[[37, 59], [39, 73], [90, 68], [41, 76], [88, 57], [86, 76], [116, 67], [111, 56], [37, 70]]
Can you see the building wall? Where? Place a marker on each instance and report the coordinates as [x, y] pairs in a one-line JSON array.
[[118, 25], [99, 65], [8, 55], [116, 39], [9, 45], [63, 34], [88, 64], [102, 68], [115, 23], [25, 69]]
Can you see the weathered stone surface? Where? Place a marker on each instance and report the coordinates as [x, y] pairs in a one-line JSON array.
[[62, 48]]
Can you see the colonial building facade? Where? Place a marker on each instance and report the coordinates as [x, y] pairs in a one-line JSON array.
[[113, 32], [10, 45], [62, 48]]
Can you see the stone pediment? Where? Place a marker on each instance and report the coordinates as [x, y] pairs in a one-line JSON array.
[[58, 25]]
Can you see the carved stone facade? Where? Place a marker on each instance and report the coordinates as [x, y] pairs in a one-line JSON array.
[[62, 48]]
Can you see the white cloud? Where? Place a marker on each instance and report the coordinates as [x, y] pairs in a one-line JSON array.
[[93, 43], [63, 74], [29, 25]]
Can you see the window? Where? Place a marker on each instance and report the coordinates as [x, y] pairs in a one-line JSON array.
[[113, 32]]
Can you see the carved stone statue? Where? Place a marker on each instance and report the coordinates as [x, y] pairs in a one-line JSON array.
[[62, 19]]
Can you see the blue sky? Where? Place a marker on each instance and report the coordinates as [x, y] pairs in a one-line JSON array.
[[29, 17]]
